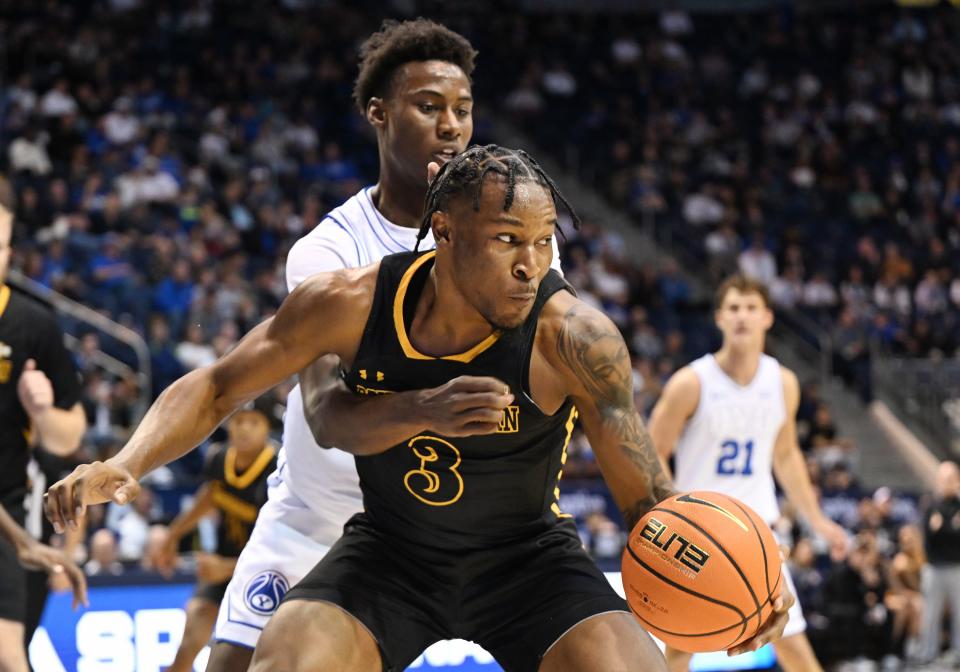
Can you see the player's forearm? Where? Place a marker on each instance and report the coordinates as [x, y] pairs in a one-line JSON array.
[[187, 521], [11, 531], [60, 431], [640, 482], [791, 472], [362, 425], [596, 360], [179, 420]]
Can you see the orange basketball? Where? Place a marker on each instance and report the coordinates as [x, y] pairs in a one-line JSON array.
[[701, 571]]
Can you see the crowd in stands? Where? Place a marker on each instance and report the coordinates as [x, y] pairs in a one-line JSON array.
[[166, 157], [817, 152]]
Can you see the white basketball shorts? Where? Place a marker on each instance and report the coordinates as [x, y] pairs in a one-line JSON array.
[[275, 558]]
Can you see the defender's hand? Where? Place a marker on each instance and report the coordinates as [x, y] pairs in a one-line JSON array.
[[39, 556], [464, 406], [772, 630], [834, 534], [34, 389], [66, 501]]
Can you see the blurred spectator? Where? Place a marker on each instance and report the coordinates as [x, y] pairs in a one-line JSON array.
[[904, 598], [131, 523], [941, 579], [103, 555], [758, 262]]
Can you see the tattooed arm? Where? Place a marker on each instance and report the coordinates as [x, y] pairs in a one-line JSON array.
[[592, 360]]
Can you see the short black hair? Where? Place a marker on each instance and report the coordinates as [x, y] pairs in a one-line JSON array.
[[398, 43], [463, 176]]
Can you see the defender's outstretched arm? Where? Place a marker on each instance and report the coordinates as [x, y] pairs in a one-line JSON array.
[[324, 315]]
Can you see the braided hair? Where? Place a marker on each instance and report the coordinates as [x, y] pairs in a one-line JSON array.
[[464, 174]]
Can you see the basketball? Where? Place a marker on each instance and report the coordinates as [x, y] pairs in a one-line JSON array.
[[701, 571]]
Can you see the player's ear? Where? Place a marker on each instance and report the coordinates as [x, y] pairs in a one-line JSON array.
[[377, 112], [440, 224], [768, 322]]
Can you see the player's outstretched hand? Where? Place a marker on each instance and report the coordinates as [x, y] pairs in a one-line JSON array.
[[835, 535], [39, 556], [66, 501], [772, 630], [465, 406]]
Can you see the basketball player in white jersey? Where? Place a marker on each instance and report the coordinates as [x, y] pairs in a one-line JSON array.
[[414, 89], [730, 420]]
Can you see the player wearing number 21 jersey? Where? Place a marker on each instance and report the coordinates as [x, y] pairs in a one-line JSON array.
[[729, 419]]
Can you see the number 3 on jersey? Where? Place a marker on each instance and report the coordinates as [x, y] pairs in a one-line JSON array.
[[731, 463]]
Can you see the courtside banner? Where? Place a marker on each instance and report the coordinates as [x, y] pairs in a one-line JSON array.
[[136, 627]]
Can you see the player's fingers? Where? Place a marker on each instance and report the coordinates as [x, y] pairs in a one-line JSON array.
[[487, 400], [479, 384], [127, 492], [77, 507], [50, 509], [481, 415], [30, 365], [63, 495], [78, 582]]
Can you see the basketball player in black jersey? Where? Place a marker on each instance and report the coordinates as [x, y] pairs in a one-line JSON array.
[[461, 536], [236, 487]]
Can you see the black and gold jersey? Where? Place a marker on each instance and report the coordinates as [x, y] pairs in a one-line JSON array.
[[466, 492], [28, 330], [238, 496]]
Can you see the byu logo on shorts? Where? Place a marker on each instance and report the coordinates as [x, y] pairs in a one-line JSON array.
[[264, 592]]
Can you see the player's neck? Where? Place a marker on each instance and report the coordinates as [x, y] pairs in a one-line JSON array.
[[740, 365], [444, 323], [399, 203]]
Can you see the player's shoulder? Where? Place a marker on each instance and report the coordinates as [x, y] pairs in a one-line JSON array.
[[341, 288], [684, 381], [789, 378], [567, 317], [791, 386]]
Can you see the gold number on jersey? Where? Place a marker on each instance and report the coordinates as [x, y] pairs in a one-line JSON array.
[[425, 483]]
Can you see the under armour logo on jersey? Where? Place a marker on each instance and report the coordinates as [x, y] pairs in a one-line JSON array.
[[363, 375], [264, 592]]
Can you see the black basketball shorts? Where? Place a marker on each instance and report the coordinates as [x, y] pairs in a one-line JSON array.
[[514, 600]]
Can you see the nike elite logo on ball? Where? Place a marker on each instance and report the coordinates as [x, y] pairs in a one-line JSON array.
[[688, 553]]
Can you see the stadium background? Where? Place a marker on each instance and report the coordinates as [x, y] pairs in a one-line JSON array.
[[165, 156]]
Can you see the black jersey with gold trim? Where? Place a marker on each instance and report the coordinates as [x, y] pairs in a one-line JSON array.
[[238, 496], [468, 491], [28, 330]]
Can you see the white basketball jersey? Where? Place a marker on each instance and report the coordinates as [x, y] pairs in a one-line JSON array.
[[727, 446], [325, 480]]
